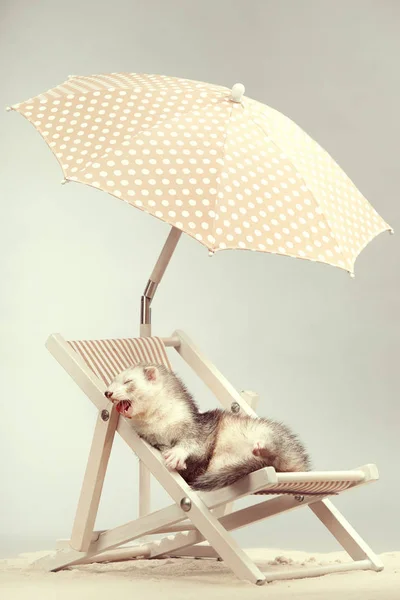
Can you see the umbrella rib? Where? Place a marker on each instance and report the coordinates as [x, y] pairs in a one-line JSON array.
[[304, 182], [219, 184]]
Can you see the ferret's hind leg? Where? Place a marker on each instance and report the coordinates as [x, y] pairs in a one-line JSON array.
[[261, 450]]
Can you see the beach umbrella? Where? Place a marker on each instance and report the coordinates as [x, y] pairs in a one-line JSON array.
[[225, 169]]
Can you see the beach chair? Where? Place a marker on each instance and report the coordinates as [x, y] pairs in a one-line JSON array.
[[192, 517]]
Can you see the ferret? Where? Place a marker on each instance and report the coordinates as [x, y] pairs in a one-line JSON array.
[[211, 449]]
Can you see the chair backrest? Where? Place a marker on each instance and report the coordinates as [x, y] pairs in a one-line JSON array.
[[107, 358]]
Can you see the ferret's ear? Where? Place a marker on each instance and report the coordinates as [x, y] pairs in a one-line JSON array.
[[151, 373]]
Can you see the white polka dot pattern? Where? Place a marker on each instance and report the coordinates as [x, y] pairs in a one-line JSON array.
[[230, 174]]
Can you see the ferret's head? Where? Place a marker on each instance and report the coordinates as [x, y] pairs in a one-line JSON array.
[[136, 389]]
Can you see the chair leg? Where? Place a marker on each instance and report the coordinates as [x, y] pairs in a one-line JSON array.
[[144, 490], [225, 546], [144, 493], [347, 537], [93, 481]]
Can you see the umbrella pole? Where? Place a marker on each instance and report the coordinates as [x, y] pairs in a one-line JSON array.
[[145, 331], [155, 278]]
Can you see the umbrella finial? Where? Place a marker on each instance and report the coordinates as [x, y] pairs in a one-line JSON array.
[[8, 108], [237, 92]]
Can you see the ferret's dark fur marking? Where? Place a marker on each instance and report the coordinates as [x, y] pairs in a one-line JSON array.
[[210, 449]]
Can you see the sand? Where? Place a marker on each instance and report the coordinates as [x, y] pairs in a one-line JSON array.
[[203, 579]]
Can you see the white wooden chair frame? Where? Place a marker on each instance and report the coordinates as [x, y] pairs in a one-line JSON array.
[[193, 517]]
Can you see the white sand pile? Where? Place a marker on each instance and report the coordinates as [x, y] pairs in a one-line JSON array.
[[203, 579]]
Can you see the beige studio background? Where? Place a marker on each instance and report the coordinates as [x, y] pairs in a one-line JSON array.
[[321, 349]]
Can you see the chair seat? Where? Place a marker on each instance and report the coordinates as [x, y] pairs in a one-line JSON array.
[[308, 488]]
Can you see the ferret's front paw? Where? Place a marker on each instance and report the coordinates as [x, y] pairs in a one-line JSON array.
[[175, 459]]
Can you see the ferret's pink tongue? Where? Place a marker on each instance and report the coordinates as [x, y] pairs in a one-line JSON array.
[[123, 406]]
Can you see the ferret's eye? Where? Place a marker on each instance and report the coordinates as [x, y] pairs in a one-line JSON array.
[[128, 381]]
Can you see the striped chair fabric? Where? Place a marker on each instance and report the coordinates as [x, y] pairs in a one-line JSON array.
[[309, 488], [107, 358]]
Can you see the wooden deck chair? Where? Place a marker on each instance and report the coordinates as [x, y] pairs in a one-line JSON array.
[[192, 517]]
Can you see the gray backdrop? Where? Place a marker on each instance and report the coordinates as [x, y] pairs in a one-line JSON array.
[[321, 349]]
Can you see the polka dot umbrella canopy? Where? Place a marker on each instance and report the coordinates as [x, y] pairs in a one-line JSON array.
[[225, 169]]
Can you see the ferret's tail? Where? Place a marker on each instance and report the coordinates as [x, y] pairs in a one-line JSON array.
[[226, 476]]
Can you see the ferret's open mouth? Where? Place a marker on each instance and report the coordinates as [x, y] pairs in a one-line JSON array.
[[123, 406]]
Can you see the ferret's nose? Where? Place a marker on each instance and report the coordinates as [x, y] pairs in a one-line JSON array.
[[108, 394]]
